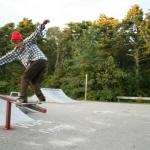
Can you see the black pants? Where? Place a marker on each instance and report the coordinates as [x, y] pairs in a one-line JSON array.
[[32, 76]]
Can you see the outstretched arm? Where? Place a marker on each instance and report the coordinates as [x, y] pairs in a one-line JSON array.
[[9, 57], [38, 31]]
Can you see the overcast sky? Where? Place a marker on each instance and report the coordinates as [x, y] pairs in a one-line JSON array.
[[61, 12]]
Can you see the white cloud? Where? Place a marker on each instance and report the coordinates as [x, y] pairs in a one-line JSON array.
[[61, 12]]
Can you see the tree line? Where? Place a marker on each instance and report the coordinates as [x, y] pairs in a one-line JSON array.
[[114, 54]]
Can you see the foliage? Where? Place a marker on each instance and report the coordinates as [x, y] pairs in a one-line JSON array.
[[115, 56]]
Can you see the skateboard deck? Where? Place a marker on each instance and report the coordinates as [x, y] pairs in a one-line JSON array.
[[31, 105], [35, 107]]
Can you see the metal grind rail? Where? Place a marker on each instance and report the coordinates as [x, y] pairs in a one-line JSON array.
[[9, 101]]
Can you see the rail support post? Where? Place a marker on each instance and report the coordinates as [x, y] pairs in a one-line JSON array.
[[8, 115]]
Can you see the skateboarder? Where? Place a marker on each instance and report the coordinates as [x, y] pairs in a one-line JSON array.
[[33, 59]]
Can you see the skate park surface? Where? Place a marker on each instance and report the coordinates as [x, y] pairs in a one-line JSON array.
[[82, 125]]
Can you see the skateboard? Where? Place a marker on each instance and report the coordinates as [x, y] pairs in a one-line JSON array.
[[30, 105]]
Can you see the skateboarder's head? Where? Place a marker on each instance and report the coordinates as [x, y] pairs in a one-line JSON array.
[[16, 37]]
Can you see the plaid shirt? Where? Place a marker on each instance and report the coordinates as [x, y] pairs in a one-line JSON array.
[[27, 53]]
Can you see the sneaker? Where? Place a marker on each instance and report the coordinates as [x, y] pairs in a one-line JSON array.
[[22, 101], [41, 101]]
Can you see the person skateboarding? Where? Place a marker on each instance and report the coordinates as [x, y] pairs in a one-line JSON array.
[[33, 59]]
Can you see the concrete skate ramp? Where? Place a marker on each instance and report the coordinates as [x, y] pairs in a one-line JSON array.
[[17, 116], [54, 95]]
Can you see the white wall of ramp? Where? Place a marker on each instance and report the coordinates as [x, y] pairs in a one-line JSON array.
[[17, 116], [54, 95]]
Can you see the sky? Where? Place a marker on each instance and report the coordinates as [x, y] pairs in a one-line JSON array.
[[61, 12]]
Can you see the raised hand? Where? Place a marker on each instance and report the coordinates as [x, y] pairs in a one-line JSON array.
[[46, 21]]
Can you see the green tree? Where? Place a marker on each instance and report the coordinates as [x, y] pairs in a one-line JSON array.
[[91, 54], [132, 46], [5, 34]]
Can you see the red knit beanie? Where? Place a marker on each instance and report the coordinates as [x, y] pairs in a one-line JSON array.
[[16, 36]]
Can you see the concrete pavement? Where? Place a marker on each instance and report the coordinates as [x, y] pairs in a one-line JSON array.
[[82, 126]]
